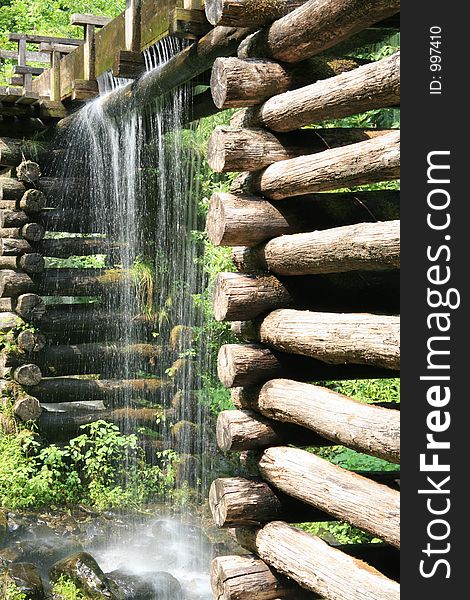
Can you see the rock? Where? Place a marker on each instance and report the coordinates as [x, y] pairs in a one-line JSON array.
[[147, 586], [87, 575], [3, 528], [25, 578]]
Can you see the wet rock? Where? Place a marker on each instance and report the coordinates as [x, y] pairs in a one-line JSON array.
[[25, 578], [147, 586], [3, 528], [87, 575]]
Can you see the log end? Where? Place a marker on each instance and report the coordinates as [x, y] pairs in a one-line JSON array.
[[221, 297], [27, 375], [216, 150], [217, 505], [224, 433], [215, 224], [27, 408]]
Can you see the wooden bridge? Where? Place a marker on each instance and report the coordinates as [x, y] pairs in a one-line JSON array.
[[315, 297]]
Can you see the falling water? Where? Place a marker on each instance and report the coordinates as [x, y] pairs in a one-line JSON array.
[[141, 182]]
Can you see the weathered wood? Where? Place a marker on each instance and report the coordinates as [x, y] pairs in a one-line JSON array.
[[189, 24], [9, 320], [76, 246], [79, 282], [237, 83], [248, 13], [133, 17], [129, 65], [32, 201], [40, 39], [373, 507], [243, 220], [13, 218], [69, 221], [365, 428], [376, 85], [366, 162], [240, 430], [33, 232], [254, 364], [316, 566], [30, 341], [28, 171], [30, 306], [40, 57], [14, 246], [11, 189], [29, 263], [27, 408], [109, 391], [315, 27], [84, 89], [86, 19], [242, 297], [6, 305], [14, 283], [334, 338], [24, 70], [247, 577], [239, 149], [26, 375]]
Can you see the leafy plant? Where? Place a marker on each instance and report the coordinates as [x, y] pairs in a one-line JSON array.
[[65, 589]]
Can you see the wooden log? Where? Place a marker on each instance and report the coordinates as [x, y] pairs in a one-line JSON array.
[[356, 164], [357, 338], [14, 283], [109, 391], [14, 246], [318, 567], [373, 507], [11, 189], [246, 577], [27, 408], [33, 232], [6, 305], [254, 364], [238, 83], [9, 320], [30, 341], [365, 428], [240, 430], [30, 306], [13, 218], [26, 375], [79, 282], [31, 263], [28, 171], [243, 220], [239, 149], [32, 201], [246, 13], [315, 27], [66, 220], [240, 296], [376, 85], [77, 246]]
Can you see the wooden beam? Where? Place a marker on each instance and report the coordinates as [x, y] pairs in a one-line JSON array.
[[188, 24], [20, 70], [40, 57], [39, 39], [133, 16], [86, 19], [47, 48], [248, 13]]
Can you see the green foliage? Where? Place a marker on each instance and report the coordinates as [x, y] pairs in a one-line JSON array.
[[8, 589], [101, 467], [96, 261], [343, 533], [368, 390], [8, 338], [65, 589]]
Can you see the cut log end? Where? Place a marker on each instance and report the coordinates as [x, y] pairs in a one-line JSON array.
[[28, 171], [27, 408], [27, 375], [33, 201]]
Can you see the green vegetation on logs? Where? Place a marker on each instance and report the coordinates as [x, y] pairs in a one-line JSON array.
[[65, 589]]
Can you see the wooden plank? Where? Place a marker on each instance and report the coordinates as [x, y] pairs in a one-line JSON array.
[[62, 48], [188, 24], [85, 19], [23, 70], [28, 98], [39, 39], [108, 40], [40, 57], [155, 24], [84, 89], [133, 15]]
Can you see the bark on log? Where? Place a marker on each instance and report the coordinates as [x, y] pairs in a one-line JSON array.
[[240, 430], [318, 567], [376, 85], [30, 306], [365, 428], [76, 246], [373, 507], [238, 149], [11, 189], [238, 296], [14, 246], [238, 83], [357, 164], [14, 283], [315, 27], [243, 220], [254, 364], [248, 577], [109, 391], [361, 247], [32, 201], [357, 338], [79, 282], [248, 13], [70, 221], [13, 218]]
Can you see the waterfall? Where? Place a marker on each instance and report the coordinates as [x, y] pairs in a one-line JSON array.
[[138, 186]]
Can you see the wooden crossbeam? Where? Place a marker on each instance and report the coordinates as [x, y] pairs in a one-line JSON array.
[[39, 39], [85, 19], [47, 48], [40, 57], [24, 70], [188, 24]]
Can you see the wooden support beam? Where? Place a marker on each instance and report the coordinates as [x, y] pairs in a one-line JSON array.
[[83, 20], [360, 247], [248, 13], [376, 85], [254, 364], [61, 48], [244, 220], [84, 89], [133, 17], [315, 27], [40, 39], [356, 164], [373, 507], [189, 24], [242, 430], [38, 57], [243, 297], [129, 65], [315, 565], [238, 83], [25, 70]]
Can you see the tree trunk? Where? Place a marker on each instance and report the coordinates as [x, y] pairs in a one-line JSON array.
[[30, 306], [373, 507], [238, 149], [238, 296], [318, 567], [79, 282], [357, 338], [11, 189], [239, 430], [365, 428], [75, 246], [315, 27], [357, 164], [13, 218], [238, 83], [365, 246], [376, 85], [14, 283], [109, 391], [254, 364], [32, 201], [14, 246], [243, 577], [235, 220]]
